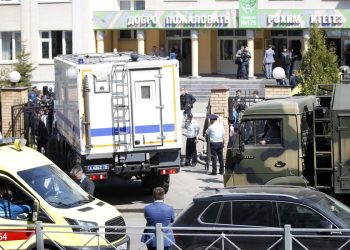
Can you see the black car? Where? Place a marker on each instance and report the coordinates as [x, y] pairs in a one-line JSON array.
[[269, 207]]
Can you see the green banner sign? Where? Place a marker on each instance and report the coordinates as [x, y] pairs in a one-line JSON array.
[[248, 14]]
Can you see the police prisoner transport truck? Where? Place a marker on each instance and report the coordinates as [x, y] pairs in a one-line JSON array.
[[118, 113]]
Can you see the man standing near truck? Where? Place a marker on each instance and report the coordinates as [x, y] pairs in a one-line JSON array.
[[83, 180]]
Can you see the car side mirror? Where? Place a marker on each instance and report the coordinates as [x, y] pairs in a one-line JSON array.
[[35, 210], [326, 224]]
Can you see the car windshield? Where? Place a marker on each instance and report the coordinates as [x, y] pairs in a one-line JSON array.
[[335, 207], [54, 186]]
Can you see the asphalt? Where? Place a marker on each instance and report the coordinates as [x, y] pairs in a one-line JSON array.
[[188, 182]]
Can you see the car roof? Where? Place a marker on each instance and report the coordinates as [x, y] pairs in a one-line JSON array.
[[266, 192], [13, 160]]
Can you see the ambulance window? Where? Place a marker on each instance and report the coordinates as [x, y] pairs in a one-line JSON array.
[[14, 203]]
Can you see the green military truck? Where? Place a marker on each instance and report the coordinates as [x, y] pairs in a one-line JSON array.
[[309, 144]]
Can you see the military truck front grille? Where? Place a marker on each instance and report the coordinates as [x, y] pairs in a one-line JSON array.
[[114, 234]]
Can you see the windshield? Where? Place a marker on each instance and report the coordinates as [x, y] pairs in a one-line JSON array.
[[335, 207], [54, 186]]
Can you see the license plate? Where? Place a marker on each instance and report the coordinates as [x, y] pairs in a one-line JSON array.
[[104, 167]]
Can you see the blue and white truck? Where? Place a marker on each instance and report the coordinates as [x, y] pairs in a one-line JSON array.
[[118, 114]]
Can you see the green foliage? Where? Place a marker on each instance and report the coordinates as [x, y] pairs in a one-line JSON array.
[[319, 64], [24, 67]]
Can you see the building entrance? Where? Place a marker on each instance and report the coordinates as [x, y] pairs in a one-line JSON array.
[[182, 40], [228, 44]]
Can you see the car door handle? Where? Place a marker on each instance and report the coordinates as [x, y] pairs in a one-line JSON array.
[[280, 164]]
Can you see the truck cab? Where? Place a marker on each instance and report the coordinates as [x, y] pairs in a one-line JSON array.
[[272, 144]]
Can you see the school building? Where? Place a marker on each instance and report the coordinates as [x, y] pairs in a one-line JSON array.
[[207, 32]]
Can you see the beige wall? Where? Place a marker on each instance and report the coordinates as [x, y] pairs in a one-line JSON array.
[[152, 39], [127, 45], [214, 50], [259, 41], [204, 53]]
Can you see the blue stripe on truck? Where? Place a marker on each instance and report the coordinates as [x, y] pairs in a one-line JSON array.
[[138, 130]]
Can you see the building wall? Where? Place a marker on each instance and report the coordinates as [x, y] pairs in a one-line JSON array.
[[205, 53]]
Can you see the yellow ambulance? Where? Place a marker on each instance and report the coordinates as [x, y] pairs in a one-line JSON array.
[[34, 189]]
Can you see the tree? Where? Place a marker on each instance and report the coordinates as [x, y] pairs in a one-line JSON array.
[[24, 67], [319, 64]]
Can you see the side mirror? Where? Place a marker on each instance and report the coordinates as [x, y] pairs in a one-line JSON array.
[[326, 224], [35, 210]]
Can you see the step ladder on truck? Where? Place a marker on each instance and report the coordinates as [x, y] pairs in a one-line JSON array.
[[118, 114]]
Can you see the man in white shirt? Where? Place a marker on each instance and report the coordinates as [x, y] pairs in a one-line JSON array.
[[192, 131], [216, 133]]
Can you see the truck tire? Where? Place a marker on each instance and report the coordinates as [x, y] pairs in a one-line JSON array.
[[152, 180]]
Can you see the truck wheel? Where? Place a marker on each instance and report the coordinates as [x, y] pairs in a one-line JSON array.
[[152, 180], [161, 181]]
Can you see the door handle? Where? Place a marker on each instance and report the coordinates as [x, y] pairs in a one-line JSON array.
[[280, 164]]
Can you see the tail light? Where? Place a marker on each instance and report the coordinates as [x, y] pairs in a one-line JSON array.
[[169, 171], [98, 176]]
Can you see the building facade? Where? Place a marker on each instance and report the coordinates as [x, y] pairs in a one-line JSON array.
[[207, 33]]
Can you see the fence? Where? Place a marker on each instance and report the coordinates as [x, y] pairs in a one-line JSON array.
[[33, 122], [220, 237]]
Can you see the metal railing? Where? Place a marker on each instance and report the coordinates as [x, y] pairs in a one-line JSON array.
[[209, 237]]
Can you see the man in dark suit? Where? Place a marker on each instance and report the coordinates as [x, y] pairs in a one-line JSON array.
[[158, 212], [83, 180]]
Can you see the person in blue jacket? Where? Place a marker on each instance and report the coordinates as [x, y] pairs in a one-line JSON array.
[[158, 212], [8, 209]]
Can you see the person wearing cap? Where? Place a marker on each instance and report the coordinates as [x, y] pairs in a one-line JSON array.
[[84, 181], [215, 133], [192, 131]]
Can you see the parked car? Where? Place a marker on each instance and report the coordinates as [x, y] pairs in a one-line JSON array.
[[260, 207]]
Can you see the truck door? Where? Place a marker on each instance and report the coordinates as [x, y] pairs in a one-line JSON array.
[[147, 124], [344, 158], [263, 155]]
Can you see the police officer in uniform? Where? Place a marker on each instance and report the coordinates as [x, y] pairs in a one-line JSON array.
[[216, 133]]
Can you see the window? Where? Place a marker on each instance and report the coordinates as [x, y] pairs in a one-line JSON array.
[[9, 1], [124, 5], [261, 132], [10, 44], [127, 34], [252, 213], [145, 92], [132, 4], [298, 216], [14, 204], [211, 213], [55, 43], [139, 4]]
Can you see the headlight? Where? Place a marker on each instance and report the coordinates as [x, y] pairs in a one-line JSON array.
[[86, 226]]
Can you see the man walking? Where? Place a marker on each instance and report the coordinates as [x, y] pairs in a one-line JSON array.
[[216, 132], [192, 131], [186, 102], [158, 212]]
